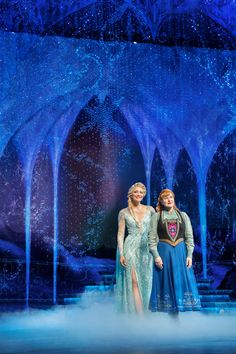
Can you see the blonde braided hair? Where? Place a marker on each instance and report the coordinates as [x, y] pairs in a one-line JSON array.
[[130, 192]]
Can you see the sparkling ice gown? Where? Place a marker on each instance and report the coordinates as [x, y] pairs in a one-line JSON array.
[[136, 252]]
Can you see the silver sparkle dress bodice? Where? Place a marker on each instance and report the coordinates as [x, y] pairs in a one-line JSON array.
[[136, 252]]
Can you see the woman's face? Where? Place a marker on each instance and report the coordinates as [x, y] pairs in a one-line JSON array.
[[168, 200], [137, 194]]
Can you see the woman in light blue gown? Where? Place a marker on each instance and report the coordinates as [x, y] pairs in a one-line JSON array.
[[134, 261]]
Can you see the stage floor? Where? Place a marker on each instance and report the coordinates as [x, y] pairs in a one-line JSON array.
[[92, 326]]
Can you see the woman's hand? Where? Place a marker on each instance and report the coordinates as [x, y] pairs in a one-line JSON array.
[[158, 262], [123, 261], [189, 262]]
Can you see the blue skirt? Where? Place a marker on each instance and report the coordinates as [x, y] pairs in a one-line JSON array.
[[174, 287]]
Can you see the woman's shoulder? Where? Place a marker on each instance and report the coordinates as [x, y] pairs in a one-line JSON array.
[[184, 215], [151, 209], [123, 211]]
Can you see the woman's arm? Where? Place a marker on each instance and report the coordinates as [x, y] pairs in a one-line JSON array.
[[121, 232], [121, 236], [153, 238], [188, 235]]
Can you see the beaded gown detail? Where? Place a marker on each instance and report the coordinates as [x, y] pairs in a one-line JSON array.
[[138, 258]]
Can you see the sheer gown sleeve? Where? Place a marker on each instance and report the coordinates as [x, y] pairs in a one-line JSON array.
[[121, 232]]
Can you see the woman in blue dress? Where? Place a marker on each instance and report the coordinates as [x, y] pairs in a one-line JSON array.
[[174, 287], [134, 261]]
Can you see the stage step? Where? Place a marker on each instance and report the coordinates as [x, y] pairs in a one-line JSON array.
[[204, 286], [98, 288], [104, 292], [108, 279], [215, 292], [222, 305], [204, 280], [218, 310], [72, 300], [214, 298]]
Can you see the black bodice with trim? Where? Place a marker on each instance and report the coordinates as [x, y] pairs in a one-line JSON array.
[[171, 230]]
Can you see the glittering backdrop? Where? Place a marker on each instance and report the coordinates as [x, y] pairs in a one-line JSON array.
[[82, 120]]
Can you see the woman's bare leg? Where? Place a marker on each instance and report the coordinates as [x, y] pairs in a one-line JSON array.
[[136, 293]]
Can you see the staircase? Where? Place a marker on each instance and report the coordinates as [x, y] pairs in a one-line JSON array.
[[214, 300], [103, 291]]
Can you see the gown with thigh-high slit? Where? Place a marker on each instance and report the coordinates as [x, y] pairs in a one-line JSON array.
[[138, 258]]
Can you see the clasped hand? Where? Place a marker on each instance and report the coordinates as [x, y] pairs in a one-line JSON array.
[[158, 262], [123, 261], [189, 262]]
